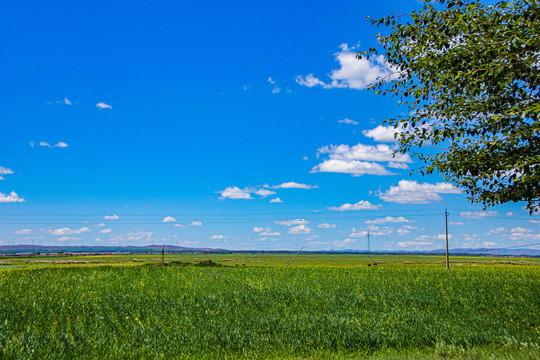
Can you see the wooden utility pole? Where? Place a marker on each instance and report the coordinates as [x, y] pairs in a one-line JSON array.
[[293, 258], [446, 232]]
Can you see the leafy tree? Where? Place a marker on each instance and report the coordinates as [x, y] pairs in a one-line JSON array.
[[469, 74]]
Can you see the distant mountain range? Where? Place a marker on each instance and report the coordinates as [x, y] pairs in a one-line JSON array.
[[34, 249]]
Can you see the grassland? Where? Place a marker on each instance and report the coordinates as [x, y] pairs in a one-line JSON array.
[[330, 306]]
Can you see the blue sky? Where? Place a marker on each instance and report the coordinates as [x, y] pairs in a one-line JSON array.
[[214, 124]]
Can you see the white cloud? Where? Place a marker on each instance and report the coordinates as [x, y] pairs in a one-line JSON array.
[[261, 229], [326, 226], [411, 192], [102, 105], [276, 201], [292, 222], [343, 243], [195, 223], [361, 205], [478, 214], [353, 73], [534, 221], [61, 144], [23, 232], [68, 231], [319, 243], [360, 159], [12, 197], [235, 193], [264, 192], [100, 225], [106, 231], [219, 237], [111, 217], [300, 229], [496, 230], [271, 81], [169, 219], [353, 167], [66, 101], [388, 219], [373, 231], [5, 171], [309, 81], [489, 243], [378, 153], [135, 236], [179, 225], [348, 121], [269, 233], [520, 230], [509, 213], [456, 222], [414, 243], [382, 133], [294, 185]]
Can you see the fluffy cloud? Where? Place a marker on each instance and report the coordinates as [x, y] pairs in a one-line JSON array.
[[276, 201], [102, 105], [388, 219], [411, 192], [235, 192], [66, 101], [292, 222], [379, 153], [264, 192], [105, 231], [478, 214], [456, 223], [5, 171], [300, 229], [261, 229], [353, 167], [348, 121], [294, 185], [23, 232], [496, 230], [343, 243], [353, 73], [219, 237], [269, 233], [489, 243], [195, 223], [67, 231], [361, 205], [59, 144], [12, 197], [309, 81], [179, 225], [326, 226], [373, 231], [361, 159], [382, 133], [111, 217], [169, 219], [414, 244], [135, 236]]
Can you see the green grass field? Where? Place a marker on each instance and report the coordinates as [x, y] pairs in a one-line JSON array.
[[331, 306]]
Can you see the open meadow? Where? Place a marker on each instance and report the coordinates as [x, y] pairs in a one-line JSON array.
[[248, 306]]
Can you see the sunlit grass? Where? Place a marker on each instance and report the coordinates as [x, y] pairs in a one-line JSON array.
[[266, 312]]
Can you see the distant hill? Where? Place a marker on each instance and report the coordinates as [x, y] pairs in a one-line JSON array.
[[27, 249]]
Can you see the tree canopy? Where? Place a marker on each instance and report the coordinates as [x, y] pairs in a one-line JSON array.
[[469, 75]]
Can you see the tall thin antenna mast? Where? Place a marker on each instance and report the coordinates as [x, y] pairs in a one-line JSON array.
[[368, 243]]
